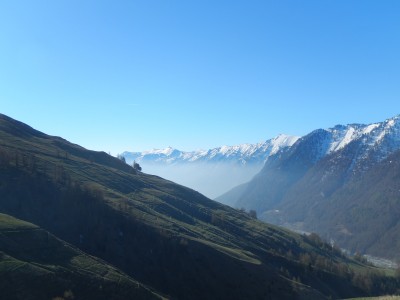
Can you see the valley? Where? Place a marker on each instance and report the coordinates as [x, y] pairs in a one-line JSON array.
[[199, 150], [330, 181], [163, 237], [213, 171]]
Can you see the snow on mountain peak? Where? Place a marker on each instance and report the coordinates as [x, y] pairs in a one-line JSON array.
[[370, 128], [378, 138], [384, 136], [341, 136], [242, 154], [166, 151], [282, 141]]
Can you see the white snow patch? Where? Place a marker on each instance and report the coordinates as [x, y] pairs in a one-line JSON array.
[[349, 136], [370, 128], [239, 153]]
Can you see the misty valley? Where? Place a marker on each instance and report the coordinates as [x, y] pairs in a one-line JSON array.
[[339, 182]]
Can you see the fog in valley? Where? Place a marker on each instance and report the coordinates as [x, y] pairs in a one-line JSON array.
[[210, 179]]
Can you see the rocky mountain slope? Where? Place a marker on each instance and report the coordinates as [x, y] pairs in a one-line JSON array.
[[301, 184]]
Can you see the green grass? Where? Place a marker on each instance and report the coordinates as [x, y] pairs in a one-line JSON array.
[[10, 223], [36, 265]]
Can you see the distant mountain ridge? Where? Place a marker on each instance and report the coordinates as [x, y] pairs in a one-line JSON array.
[[214, 171], [381, 139], [300, 184], [202, 170], [241, 154], [384, 135]]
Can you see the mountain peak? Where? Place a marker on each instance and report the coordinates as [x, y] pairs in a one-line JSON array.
[[370, 135], [166, 151], [241, 154], [392, 121]]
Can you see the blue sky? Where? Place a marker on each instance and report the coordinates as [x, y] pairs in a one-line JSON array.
[[136, 75]]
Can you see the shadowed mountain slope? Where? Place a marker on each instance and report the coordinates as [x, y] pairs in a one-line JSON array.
[[164, 235], [34, 264], [342, 183]]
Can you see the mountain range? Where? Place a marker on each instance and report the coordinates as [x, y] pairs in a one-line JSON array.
[[342, 182], [206, 170], [243, 154], [81, 224]]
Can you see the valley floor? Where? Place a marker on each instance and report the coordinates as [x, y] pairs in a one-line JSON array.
[[376, 261]]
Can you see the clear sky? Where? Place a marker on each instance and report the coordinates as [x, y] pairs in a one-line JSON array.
[[136, 75]]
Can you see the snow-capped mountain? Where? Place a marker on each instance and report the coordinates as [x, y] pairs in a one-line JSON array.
[[384, 135], [211, 172], [342, 182], [373, 142], [241, 154], [346, 149]]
